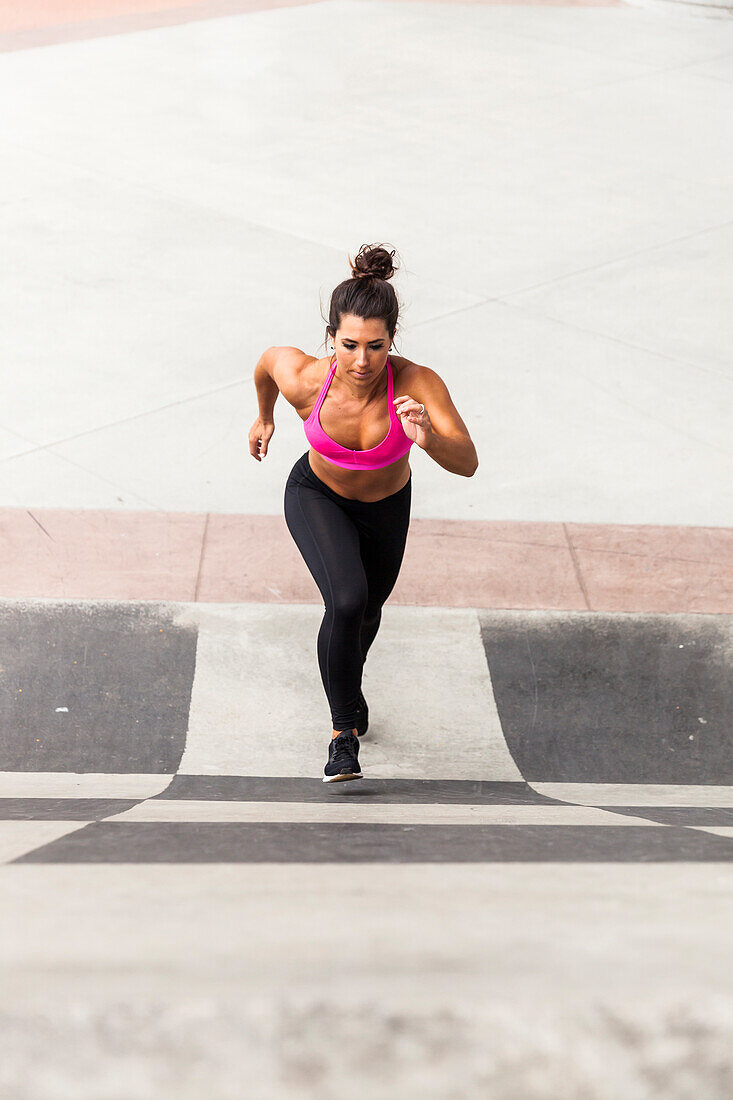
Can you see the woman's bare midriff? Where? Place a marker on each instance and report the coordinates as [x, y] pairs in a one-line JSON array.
[[364, 485]]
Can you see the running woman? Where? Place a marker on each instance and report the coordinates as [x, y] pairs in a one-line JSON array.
[[347, 499]]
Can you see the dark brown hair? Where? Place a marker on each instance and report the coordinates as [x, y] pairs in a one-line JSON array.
[[367, 293]]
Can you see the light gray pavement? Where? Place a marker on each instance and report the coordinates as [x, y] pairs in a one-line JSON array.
[[175, 200], [480, 916], [386, 981], [558, 183]]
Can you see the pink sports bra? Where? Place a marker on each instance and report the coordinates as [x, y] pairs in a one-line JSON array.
[[395, 445]]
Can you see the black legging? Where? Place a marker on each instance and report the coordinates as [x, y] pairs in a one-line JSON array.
[[354, 549]]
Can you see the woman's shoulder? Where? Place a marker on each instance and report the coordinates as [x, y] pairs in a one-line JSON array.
[[408, 372], [406, 369], [299, 378], [295, 372]]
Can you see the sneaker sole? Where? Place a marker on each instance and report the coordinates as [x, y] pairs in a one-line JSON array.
[[343, 776]]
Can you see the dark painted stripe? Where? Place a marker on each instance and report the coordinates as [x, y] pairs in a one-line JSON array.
[[676, 815], [63, 809], [251, 788], [124, 673], [614, 698], [278, 842]]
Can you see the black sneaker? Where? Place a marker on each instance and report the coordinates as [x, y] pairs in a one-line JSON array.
[[362, 722], [343, 759]]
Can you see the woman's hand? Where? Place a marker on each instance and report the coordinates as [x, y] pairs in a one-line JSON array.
[[259, 437], [415, 422]]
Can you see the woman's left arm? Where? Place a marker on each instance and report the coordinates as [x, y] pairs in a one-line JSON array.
[[439, 430]]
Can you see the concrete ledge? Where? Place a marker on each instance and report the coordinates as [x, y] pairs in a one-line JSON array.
[[225, 558]]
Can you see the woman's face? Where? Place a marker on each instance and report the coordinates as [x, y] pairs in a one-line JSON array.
[[361, 347]]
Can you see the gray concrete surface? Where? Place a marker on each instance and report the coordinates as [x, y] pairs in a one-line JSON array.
[[489, 980], [507, 928], [175, 201]]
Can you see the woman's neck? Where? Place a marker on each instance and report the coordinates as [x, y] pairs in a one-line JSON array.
[[358, 393]]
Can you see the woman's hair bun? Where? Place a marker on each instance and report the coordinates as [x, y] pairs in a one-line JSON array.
[[372, 261]]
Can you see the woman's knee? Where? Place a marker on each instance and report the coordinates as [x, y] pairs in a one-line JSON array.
[[372, 614], [349, 602]]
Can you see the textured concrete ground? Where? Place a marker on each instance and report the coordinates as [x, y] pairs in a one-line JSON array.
[[530, 893]]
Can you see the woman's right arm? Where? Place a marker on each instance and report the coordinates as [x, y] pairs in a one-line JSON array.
[[267, 390], [265, 384], [277, 371]]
